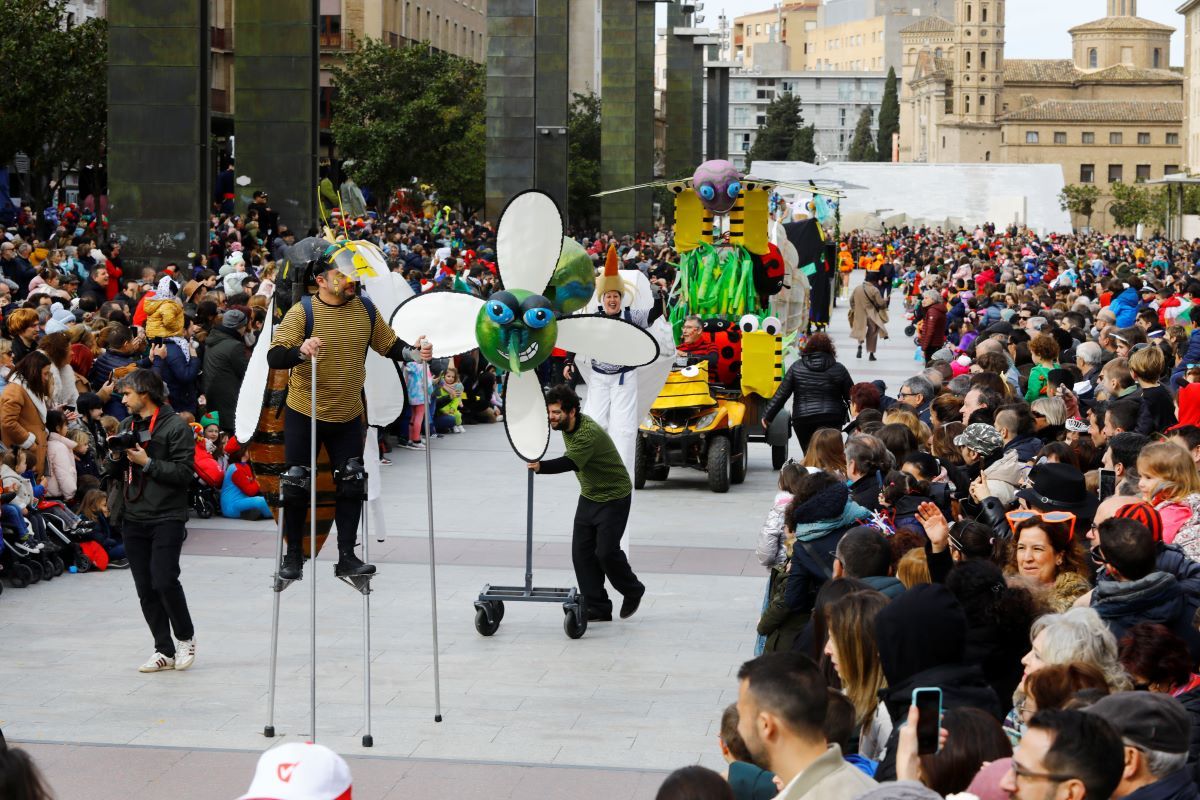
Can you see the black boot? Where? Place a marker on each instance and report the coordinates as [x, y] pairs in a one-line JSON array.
[[292, 568], [860, 351], [873, 358], [350, 564]]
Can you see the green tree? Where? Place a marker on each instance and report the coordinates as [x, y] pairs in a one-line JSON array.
[[776, 136], [804, 146], [583, 166], [1080, 199], [862, 148], [53, 96], [1131, 205], [412, 113], [889, 117]]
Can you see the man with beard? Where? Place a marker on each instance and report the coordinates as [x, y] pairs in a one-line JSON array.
[[334, 327], [605, 492], [782, 702]]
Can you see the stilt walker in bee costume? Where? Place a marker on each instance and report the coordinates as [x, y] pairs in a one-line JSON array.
[[612, 390], [331, 330]]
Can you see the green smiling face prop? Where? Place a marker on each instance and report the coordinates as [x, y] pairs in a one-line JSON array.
[[516, 330]]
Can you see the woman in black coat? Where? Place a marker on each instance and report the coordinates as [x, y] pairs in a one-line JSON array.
[[819, 388]]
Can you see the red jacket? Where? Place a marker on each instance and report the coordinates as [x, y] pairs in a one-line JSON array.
[[933, 331], [114, 279], [243, 478], [207, 467]]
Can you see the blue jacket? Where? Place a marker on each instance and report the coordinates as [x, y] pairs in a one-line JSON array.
[[179, 374], [1125, 307], [102, 369], [1156, 598]]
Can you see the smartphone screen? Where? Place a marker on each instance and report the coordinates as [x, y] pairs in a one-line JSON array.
[[1108, 483], [929, 710]]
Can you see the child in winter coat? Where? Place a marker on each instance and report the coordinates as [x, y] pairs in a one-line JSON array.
[[94, 509], [240, 494], [416, 381], [16, 508], [773, 547], [61, 474]]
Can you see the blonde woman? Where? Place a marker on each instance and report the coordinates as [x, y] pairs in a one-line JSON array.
[[1169, 481], [852, 651]]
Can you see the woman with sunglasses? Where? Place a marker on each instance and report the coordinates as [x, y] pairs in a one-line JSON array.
[[1045, 551]]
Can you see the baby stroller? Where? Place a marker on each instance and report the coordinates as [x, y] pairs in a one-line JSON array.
[[63, 537], [24, 562], [202, 498]]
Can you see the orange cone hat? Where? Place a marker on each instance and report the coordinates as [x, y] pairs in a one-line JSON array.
[[610, 280]]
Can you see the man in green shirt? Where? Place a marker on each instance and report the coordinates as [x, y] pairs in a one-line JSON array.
[[604, 496]]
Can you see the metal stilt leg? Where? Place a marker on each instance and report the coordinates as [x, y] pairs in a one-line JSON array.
[[312, 533], [277, 587], [367, 740], [437, 673]]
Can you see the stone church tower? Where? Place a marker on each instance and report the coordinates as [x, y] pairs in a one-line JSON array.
[[979, 52]]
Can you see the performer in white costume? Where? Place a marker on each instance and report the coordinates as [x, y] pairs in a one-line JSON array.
[[612, 394]]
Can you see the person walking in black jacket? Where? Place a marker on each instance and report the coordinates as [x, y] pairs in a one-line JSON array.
[[225, 366], [819, 388], [156, 469]]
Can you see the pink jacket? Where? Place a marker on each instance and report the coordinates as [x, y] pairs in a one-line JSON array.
[[61, 479]]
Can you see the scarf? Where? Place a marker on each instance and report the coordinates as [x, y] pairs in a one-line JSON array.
[[168, 289], [851, 514]]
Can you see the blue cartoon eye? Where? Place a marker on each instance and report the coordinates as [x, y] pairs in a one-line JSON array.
[[538, 317], [707, 192], [499, 313], [734, 189]]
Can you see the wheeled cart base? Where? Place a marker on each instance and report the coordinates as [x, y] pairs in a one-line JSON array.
[[489, 608]]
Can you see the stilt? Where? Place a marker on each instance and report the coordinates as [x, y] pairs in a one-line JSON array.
[[277, 586], [437, 674], [312, 534]]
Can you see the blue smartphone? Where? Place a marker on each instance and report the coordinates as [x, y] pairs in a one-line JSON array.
[[928, 700]]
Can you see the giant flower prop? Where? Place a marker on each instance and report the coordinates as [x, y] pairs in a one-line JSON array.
[[517, 328]]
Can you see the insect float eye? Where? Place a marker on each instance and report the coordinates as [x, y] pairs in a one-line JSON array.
[[499, 313], [734, 189], [707, 192], [748, 323], [538, 317], [772, 325]]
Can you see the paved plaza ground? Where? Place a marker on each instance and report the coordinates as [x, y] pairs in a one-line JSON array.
[[527, 712]]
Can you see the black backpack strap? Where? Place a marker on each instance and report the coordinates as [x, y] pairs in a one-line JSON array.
[[306, 304]]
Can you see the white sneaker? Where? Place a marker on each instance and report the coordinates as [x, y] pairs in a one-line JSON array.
[[157, 663], [418, 446], [185, 653]]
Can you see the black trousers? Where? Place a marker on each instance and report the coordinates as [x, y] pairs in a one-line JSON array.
[[596, 552], [805, 427], [343, 441], [153, 552]]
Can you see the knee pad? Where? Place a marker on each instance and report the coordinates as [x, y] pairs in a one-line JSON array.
[[295, 487], [350, 480]]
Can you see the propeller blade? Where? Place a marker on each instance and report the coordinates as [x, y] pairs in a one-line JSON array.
[[446, 319], [525, 419], [613, 341], [528, 241]]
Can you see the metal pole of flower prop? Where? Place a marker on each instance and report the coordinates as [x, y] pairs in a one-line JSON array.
[[516, 329]]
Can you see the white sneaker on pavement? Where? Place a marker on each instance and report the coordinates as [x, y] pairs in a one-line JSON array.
[[157, 663], [185, 653]]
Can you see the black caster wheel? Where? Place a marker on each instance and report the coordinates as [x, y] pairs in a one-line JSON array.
[[485, 625], [574, 622], [368, 740], [20, 575], [82, 563], [498, 610], [269, 731], [59, 566], [35, 570]]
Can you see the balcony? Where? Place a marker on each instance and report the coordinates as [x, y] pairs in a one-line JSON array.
[[329, 32], [219, 101], [220, 38]]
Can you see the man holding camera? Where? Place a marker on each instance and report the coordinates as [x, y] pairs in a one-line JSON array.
[[152, 455]]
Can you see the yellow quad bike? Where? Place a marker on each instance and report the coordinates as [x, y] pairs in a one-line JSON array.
[[701, 425]]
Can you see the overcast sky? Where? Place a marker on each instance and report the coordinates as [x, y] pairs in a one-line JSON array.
[[1035, 29]]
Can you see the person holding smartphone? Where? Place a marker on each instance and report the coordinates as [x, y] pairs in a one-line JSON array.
[[152, 455]]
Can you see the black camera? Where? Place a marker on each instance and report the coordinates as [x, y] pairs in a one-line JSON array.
[[120, 442]]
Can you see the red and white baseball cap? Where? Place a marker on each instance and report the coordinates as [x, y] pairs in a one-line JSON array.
[[300, 771]]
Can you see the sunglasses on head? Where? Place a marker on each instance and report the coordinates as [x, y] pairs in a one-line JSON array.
[[1018, 516]]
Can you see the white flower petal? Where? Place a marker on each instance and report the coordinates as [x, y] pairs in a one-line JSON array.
[[528, 241], [446, 319], [525, 419], [614, 341]]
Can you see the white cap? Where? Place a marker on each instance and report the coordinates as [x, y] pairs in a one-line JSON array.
[[300, 771]]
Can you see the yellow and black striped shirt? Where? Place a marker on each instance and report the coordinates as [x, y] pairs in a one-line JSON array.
[[341, 371]]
